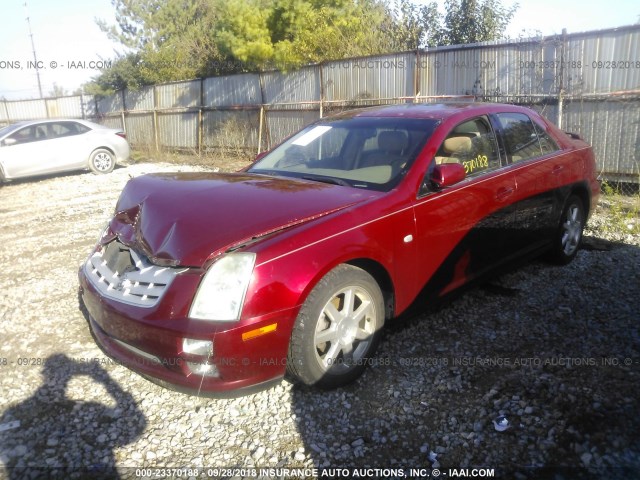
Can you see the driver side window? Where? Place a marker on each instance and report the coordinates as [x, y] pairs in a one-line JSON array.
[[28, 134], [473, 145]]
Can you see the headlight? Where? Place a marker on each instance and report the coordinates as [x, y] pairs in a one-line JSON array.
[[221, 293]]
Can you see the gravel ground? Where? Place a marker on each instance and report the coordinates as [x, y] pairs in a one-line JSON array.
[[554, 349]]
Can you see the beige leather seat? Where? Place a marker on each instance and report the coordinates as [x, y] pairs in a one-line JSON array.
[[453, 148], [392, 146]]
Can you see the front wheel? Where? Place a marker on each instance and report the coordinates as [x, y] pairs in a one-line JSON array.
[[337, 330], [568, 236], [102, 161]]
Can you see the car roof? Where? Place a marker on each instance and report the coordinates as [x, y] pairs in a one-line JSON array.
[[436, 111]]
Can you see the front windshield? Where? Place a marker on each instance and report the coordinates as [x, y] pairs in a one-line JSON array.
[[359, 152]]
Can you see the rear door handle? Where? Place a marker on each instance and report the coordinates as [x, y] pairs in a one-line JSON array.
[[557, 169], [503, 193]]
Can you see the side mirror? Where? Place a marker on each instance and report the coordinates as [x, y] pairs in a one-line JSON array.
[[447, 174], [7, 142]]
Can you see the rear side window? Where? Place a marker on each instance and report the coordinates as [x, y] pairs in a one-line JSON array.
[[547, 144], [521, 137], [65, 129]]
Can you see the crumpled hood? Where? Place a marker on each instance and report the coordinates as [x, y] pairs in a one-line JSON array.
[[182, 219]]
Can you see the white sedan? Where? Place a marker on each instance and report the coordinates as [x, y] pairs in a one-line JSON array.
[[40, 147]]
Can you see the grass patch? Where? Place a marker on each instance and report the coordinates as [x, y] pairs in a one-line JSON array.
[[216, 160], [623, 211], [226, 149]]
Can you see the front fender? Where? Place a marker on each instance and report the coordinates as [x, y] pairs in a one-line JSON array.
[[285, 281]]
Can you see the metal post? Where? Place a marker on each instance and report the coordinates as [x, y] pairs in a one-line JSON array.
[[201, 117], [262, 113], [200, 123], [561, 78], [321, 90], [560, 107], [6, 112], [155, 118], [260, 129], [124, 107], [416, 77], [33, 47]]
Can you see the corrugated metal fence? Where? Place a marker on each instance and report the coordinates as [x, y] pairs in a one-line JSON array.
[[588, 83]]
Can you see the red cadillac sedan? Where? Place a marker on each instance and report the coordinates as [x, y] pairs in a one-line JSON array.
[[222, 284]]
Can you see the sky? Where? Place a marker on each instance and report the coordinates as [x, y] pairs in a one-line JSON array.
[[70, 46]]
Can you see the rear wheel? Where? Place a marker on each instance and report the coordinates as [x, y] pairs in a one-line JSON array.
[[568, 236], [102, 161], [337, 330]]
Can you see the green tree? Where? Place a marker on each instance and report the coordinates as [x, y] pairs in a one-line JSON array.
[[333, 32], [142, 24], [473, 21], [288, 33], [171, 40], [415, 26], [125, 72], [242, 33]]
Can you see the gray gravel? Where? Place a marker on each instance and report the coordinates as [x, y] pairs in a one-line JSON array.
[[554, 349]]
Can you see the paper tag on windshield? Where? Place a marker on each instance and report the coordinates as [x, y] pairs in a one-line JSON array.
[[311, 135]]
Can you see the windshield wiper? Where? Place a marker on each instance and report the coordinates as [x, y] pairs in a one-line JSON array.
[[332, 180], [270, 173]]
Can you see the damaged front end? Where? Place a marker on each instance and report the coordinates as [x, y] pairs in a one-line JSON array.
[[166, 284], [122, 274]]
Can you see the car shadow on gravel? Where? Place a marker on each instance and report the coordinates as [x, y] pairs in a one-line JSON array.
[[49, 176], [560, 364], [53, 435]]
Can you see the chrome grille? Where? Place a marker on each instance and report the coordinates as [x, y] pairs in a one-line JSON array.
[[124, 275]]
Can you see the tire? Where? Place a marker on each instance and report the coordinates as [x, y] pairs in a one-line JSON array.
[[102, 161], [566, 241], [325, 348]]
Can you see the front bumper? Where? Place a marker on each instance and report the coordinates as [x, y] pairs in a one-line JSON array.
[[150, 341]]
